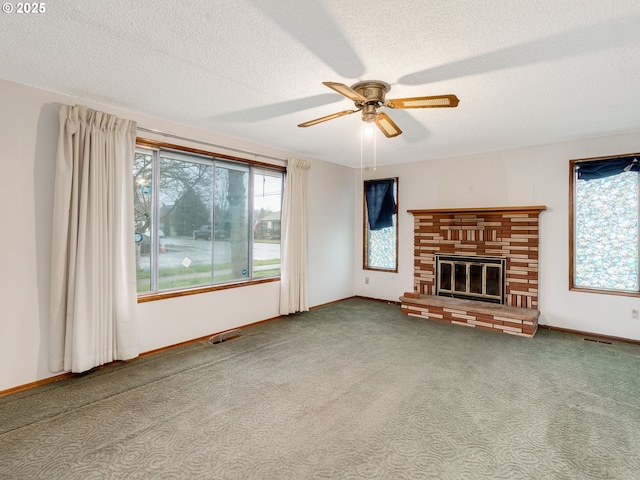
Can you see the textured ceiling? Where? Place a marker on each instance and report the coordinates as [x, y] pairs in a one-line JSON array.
[[527, 72]]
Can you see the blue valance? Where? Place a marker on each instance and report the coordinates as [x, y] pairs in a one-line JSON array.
[[381, 203], [594, 169]]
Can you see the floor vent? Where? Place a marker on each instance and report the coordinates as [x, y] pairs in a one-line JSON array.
[[224, 336], [594, 340]]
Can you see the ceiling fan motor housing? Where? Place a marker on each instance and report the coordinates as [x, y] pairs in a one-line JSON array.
[[374, 91]]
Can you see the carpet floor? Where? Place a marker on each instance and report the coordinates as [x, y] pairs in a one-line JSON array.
[[351, 390]]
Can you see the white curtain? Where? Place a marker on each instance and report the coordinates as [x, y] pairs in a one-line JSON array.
[[93, 278], [293, 283]]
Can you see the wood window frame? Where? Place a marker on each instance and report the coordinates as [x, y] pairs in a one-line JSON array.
[[365, 227], [572, 230], [152, 296]]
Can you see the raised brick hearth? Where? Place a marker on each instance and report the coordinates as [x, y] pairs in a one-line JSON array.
[[507, 232]]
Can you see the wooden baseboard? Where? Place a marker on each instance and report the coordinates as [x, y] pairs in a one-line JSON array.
[[390, 302], [65, 375], [609, 338], [35, 384], [332, 302]]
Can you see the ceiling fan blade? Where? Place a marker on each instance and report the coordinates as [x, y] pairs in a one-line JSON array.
[[438, 101], [386, 125], [348, 92], [328, 117]]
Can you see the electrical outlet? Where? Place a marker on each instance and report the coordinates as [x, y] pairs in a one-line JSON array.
[[634, 314], [366, 282]]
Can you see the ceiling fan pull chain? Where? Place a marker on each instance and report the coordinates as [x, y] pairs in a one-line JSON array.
[[375, 151], [361, 149]]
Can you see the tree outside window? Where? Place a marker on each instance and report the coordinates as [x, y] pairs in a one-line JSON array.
[[195, 219]]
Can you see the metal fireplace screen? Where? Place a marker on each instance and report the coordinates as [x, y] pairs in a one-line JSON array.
[[474, 278]]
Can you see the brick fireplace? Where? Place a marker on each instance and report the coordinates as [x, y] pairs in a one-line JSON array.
[[507, 233]]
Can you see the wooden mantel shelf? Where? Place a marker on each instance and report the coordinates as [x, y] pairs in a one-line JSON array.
[[520, 209]]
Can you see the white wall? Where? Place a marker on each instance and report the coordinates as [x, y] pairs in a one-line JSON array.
[[528, 176], [331, 200], [28, 139]]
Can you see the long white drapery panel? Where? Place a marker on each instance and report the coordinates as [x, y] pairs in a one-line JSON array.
[[293, 276], [93, 278]]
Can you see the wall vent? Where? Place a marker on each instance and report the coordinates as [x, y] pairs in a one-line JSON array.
[[224, 336], [595, 340]]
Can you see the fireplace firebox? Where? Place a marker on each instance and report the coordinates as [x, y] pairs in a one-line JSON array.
[[471, 277]]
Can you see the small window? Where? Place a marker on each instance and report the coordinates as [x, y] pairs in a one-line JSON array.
[[604, 237], [381, 224]]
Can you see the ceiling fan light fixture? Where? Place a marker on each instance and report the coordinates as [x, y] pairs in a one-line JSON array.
[[367, 129], [369, 113]]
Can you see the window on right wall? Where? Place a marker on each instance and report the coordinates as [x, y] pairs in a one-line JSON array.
[[604, 225], [381, 225]]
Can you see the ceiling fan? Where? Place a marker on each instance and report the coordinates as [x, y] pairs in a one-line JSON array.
[[368, 96]]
